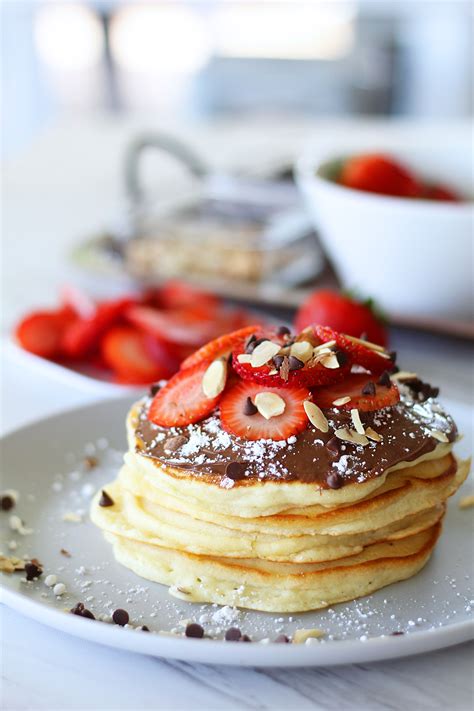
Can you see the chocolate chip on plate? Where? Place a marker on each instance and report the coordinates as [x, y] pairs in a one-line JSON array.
[[7, 502], [283, 331], [120, 617], [245, 638], [369, 388], [236, 470], [233, 634], [194, 630], [282, 639], [81, 611], [144, 628], [249, 408], [295, 363], [385, 379], [334, 481], [90, 463], [105, 499], [32, 571]]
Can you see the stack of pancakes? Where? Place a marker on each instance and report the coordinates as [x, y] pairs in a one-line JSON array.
[[269, 540]]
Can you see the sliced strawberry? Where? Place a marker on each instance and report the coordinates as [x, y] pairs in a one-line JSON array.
[[219, 347], [127, 351], [176, 327], [42, 332], [309, 376], [80, 302], [376, 359], [359, 387], [182, 401], [84, 334], [440, 192], [234, 404], [381, 174], [178, 294]]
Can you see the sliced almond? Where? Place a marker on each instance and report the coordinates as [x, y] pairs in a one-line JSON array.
[[367, 344], [301, 636], [263, 353], [440, 436], [330, 361], [466, 502], [404, 375], [373, 435], [303, 350], [244, 357], [269, 404], [341, 400], [356, 421], [316, 416], [328, 345], [351, 436], [214, 379]]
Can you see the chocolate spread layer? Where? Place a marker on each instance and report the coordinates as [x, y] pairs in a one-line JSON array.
[[312, 456]]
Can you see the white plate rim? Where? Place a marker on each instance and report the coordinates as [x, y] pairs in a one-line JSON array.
[[209, 651]]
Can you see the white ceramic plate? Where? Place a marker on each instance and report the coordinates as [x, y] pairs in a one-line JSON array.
[[43, 462]]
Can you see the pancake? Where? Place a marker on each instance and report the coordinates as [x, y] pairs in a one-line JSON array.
[[283, 525]]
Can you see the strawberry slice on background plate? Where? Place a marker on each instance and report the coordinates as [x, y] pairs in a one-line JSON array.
[[42, 332], [182, 401], [370, 356], [130, 355], [365, 392], [175, 327], [377, 173], [235, 403]]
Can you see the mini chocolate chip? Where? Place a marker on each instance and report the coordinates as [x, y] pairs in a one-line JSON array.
[[282, 639], [283, 331], [295, 363], [174, 443], [155, 388], [90, 463], [7, 502], [105, 499], [393, 355], [236, 470], [252, 344], [334, 481], [249, 408], [78, 608], [341, 356], [144, 628], [369, 388], [394, 370], [278, 361], [32, 571], [245, 638], [333, 445], [65, 553], [121, 617], [385, 379], [194, 630], [233, 634], [87, 614], [396, 634]]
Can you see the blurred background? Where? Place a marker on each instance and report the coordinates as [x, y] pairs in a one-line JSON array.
[[196, 60]]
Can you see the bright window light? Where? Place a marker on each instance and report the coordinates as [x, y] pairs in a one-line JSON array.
[[310, 30], [68, 36], [159, 38]]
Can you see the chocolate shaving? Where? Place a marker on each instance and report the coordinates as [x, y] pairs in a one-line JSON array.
[[369, 388], [285, 369], [249, 408], [105, 499], [422, 390], [174, 443], [295, 363]]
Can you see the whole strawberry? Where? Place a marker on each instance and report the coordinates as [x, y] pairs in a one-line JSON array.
[[342, 313]]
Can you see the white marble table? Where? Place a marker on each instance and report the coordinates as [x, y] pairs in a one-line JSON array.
[[45, 669]]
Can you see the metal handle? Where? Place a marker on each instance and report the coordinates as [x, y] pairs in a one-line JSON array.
[[162, 142]]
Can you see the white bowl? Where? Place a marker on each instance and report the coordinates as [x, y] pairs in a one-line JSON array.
[[415, 257]]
